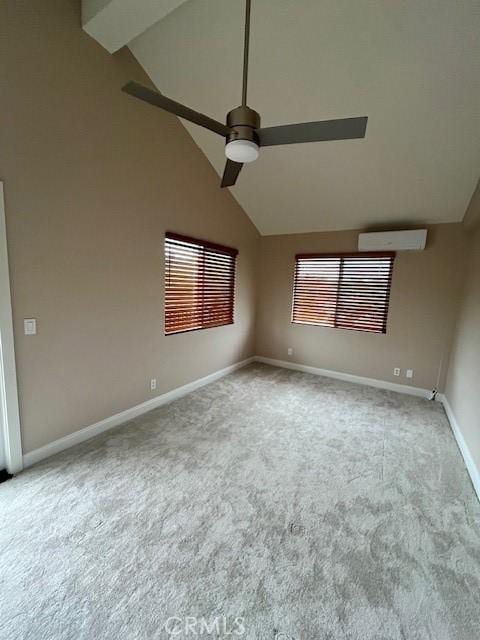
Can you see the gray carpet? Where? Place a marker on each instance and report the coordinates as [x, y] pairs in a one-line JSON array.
[[307, 507]]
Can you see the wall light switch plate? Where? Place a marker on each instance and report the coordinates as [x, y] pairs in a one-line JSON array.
[[396, 371], [30, 326], [409, 373], [290, 351], [153, 384]]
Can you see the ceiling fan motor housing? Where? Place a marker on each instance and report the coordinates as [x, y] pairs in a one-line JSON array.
[[244, 122]]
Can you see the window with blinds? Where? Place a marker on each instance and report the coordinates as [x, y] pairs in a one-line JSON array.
[[199, 284], [344, 291]]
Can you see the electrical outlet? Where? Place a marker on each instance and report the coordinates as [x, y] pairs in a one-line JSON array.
[[409, 373], [396, 371], [153, 384], [290, 351]]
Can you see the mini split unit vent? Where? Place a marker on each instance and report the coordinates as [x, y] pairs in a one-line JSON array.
[[393, 241]]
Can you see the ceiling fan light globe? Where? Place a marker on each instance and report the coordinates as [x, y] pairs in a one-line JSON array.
[[243, 151]]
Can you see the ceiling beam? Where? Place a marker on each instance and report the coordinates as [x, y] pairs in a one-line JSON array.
[[114, 23]]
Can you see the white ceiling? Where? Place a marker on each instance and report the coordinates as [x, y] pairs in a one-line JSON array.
[[412, 66]]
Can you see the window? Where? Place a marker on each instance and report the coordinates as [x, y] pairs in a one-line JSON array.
[[344, 291], [199, 284]]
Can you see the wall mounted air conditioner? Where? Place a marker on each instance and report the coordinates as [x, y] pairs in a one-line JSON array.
[[393, 241]]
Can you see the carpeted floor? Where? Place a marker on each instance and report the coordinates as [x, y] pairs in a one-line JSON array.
[[307, 507]]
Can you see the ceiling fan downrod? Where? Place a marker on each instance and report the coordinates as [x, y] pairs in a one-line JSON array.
[[246, 47]]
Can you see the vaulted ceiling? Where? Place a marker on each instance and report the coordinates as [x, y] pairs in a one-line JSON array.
[[413, 67]]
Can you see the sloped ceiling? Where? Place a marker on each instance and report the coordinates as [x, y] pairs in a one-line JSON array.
[[411, 66]]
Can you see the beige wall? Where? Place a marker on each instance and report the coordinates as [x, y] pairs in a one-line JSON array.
[[93, 179], [472, 215], [463, 383], [424, 293]]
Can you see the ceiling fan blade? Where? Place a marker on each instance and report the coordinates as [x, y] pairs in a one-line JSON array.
[[344, 129], [230, 173], [158, 100]]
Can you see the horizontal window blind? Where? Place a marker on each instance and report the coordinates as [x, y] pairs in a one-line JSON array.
[[344, 291], [199, 284]]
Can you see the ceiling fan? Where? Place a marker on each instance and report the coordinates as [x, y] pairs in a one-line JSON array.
[[242, 132]]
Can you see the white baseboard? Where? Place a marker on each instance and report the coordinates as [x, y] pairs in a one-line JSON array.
[[472, 468], [348, 377], [119, 418]]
